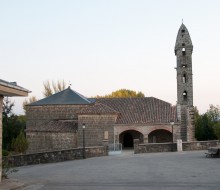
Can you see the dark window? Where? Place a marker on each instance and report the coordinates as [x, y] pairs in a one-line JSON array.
[[184, 78], [183, 44], [182, 30]]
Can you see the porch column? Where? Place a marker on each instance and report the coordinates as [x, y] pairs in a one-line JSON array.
[[145, 138]]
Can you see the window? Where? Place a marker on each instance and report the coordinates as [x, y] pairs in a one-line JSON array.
[[183, 44], [184, 78], [185, 96], [184, 51], [183, 31]]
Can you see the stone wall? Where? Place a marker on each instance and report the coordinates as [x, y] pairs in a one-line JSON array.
[[168, 147], [199, 145], [42, 139], [98, 128], [50, 141], [153, 147], [1, 101], [38, 115], [191, 124], [55, 156]]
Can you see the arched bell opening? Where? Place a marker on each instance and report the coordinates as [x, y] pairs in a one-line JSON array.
[[185, 96]]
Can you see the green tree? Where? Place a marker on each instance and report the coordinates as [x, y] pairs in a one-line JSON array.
[[214, 115], [20, 144], [207, 125], [123, 93], [53, 87], [217, 130], [12, 124]]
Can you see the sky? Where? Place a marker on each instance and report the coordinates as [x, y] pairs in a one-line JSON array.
[[99, 46]]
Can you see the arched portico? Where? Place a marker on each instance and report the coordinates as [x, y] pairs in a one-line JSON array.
[[126, 138], [160, 136]]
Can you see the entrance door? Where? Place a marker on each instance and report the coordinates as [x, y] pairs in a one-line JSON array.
[[128, 140]]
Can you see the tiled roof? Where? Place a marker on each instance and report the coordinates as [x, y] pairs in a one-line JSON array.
[[141, 110], [65, 97], [56, 126], [97, 108]]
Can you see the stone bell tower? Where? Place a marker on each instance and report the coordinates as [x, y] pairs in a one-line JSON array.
[[185, 110]]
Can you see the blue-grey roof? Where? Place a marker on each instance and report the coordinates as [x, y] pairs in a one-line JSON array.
[[65, 97]]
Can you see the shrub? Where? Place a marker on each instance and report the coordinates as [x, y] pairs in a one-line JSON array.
[[5, 152], [217, 130], [20, 144]]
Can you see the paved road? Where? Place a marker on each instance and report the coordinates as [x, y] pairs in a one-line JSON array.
[[152, 171]]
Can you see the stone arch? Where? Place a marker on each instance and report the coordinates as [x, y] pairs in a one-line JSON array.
[[126, 138], [160, 136], [139, 129], [167, 128], [185, 96]]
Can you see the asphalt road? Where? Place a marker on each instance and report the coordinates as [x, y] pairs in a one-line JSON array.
[[153, 171]]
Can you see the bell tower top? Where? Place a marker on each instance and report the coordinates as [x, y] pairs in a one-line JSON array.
[[183, 39]]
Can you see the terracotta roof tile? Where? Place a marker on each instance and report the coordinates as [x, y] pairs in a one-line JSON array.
[[141, 110], [97, 108]]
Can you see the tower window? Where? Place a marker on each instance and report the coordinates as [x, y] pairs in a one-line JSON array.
[[184, 51], [184, 78], [185, 96], [183, 44], [183, 31]]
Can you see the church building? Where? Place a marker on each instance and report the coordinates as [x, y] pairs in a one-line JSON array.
[[55, 122]]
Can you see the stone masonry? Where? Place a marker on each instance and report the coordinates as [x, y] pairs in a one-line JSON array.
[[47, 141], [44, 136], [98, 128]]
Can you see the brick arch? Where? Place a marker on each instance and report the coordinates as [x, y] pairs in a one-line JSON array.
[[126, 138], [129, 128], [160, 135], [154, 128]]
